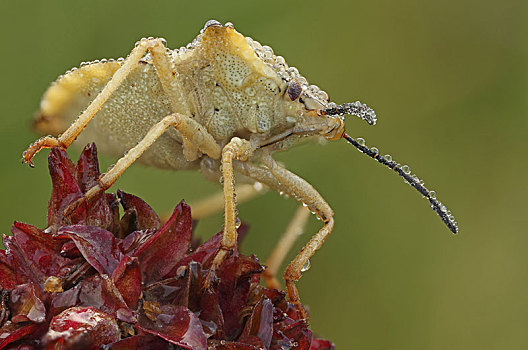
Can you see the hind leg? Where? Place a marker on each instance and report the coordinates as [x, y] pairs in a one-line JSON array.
[[293, 231], [169, 79]]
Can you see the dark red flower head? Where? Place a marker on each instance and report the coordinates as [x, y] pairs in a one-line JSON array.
[[95, 278]]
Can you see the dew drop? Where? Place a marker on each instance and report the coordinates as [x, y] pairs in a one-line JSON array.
[[432, 194], [361, 141], [406, 169], [258, 186], [388, 157], [237, 223], [221, 180], [375, 150], [306, 266]]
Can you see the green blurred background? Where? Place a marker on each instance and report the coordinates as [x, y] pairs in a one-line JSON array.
[[448, 80]]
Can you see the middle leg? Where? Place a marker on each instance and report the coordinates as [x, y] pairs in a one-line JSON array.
[[236, 149], [189, 129]]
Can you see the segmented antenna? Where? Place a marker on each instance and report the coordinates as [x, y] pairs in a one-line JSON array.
[[413, 180], [355, 108]]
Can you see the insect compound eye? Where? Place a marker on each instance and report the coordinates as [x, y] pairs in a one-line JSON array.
[[294, 90]]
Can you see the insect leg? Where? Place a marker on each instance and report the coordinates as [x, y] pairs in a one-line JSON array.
[[215, 203], [236, 149], [305, 193], [274, 261], [187, 126], [173, 87], [283, 246], [67, 138]]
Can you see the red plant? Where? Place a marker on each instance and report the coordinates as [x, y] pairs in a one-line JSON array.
[[95, 278]]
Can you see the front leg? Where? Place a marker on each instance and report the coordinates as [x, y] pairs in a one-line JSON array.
[[236, 149]]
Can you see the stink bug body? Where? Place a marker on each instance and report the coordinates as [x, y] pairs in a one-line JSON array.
[[223, 105]]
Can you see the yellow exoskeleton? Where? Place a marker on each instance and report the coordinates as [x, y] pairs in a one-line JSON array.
[[222, 105]]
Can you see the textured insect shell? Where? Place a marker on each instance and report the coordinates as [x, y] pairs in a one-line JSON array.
[[227, 87]]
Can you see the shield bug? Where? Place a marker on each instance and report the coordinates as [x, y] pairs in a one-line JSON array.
[[223, 105]]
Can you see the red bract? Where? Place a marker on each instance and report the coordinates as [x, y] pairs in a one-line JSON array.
[[95, 278]]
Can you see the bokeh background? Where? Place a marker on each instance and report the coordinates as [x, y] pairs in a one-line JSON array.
[[448, 80]]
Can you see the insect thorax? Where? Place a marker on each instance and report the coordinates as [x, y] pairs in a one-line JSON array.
[[238, 86]]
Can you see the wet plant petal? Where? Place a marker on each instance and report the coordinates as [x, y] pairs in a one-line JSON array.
[[321, 344], [233, 290], [100, 291], [87, 174], [81, 328], [25, 305], [164, 249], [141, 342], [39, 252], [7, 275], [146, 217], [57, 282], [127, 279], [12, 332], [97, 245], [176, 324], [65, 189], [260, 323]]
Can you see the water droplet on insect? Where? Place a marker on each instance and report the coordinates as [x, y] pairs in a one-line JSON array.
[[406, 169], [388, 157], [258, 186], [361, 141], [306, 266], [375, 150], [237, 223], [221, 180], [432, 194]]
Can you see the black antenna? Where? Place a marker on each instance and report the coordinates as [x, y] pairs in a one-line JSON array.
[[356, 108], [413, 180]]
